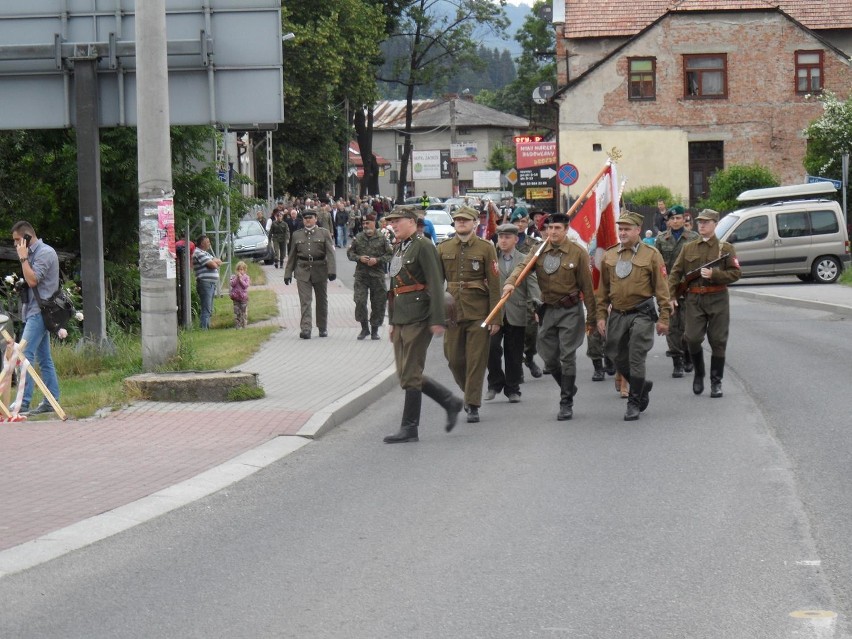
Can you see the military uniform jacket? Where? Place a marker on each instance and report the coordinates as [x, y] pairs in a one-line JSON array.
[[280, 231], [419, 268], [569, 272], [470, 269], [646, 279], [311, 255], [527, 244], [697, 253], [670, 248], [516, 306], [376, 246]]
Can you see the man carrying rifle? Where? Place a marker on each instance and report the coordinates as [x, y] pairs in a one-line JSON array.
[[632, 275], [565, 281], [670, 243], [703, 270]]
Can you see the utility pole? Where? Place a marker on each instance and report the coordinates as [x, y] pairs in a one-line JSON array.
[[454, 167], [159, 304]]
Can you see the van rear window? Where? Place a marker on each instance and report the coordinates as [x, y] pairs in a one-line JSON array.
[[824, 222]]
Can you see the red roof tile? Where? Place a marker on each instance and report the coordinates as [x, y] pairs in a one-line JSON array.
[[611, 18]]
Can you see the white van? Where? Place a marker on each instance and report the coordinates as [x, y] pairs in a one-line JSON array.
[[789, 230]]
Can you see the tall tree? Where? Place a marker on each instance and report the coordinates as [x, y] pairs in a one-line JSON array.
[[829, 137], [437, 45]]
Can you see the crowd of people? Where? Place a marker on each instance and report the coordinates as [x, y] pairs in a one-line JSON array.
[[510, 282]]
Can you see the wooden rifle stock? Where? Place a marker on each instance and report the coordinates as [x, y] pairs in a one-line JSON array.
[[695, 273]]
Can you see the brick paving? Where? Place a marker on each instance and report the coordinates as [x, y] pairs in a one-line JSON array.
[[54, 474]]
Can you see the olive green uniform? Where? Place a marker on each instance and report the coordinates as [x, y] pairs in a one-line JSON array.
[[707, 309], [280, 237], [473, 281], [370, 279], [526, 244], [311, 261], [630, 332], [417, 303], [670, 247]]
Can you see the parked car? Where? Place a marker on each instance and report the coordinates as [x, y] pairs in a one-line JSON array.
[[789, 230], [251, 241], [471, 200], [442, 221]]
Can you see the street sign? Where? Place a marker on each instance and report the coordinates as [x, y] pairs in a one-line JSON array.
[[541, 176], [568, 174], [815, 178], [446, 174], [512, 176], [539, 194]]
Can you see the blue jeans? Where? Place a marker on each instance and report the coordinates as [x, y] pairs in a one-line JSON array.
[[341, 235], [37, 351], [206, 292]]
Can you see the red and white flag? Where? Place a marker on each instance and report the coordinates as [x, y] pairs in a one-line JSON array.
[[595, 221]]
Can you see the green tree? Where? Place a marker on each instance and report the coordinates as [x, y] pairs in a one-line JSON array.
[[829, 137], [727, 184], [537, 42], [436, 46]]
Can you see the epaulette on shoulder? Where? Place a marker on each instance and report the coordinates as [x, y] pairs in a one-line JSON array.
[[611, 247]]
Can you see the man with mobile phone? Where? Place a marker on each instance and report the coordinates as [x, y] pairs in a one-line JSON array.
[[40, 267]]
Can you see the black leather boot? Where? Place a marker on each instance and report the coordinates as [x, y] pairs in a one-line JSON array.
[[566, 399], [449, 402], [645, 397], [374, 333], [717, 369], [677, 366], [599, 374], [687, 362], [698, 380], [609, 366], [410, 419], [365, 330], [535, 371], [637, 389]]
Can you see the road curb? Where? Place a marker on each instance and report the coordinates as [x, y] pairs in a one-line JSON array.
[[792, 301]]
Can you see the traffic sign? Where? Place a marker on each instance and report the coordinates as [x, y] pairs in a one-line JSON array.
[[815, 178], [568, 174], [512, 176]]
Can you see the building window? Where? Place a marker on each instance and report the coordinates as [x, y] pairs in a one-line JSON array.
[[642, 83], [705, 76], [808, 71]]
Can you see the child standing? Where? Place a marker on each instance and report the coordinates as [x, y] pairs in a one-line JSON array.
[[240, 283]]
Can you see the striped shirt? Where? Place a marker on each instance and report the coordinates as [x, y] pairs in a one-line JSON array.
[[200, 259]]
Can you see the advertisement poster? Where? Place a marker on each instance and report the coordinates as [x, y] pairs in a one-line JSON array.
[[426, 165], [532, 154], [166, 234]]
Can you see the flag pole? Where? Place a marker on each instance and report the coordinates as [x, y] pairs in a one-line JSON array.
[[529, 266]]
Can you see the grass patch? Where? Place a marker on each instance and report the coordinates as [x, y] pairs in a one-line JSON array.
[[91, 379], [846, 276], [245, 392]]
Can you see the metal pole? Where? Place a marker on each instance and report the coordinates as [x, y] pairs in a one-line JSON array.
[[454, 167], [270, 195], [845, 169], [159, 302], [89, 190]]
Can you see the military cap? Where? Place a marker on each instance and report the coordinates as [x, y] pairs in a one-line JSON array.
[[467, 213], [309, 213], [708, 214], [677, 209], [402, 211], [370, 217], [507, 229], [560, 218], [519, 213], [633, 219]]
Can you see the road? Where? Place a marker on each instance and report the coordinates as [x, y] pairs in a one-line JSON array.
[[705, 519]]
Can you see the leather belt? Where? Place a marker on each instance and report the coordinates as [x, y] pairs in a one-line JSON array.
[[409, 288], [703, 290], [474, 284], [630, 312], [311, 259]]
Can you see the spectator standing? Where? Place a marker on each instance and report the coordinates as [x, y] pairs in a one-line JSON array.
[[660, 216], [240, 282], [206, 277], [341, 225], [40, 268]]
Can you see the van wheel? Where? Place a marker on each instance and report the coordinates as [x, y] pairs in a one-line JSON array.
[[826, 270]]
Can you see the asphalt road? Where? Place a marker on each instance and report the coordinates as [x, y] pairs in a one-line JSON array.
[[705, 519]]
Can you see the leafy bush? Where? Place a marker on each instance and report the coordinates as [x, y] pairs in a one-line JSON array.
[[727, 184], [649, 195]]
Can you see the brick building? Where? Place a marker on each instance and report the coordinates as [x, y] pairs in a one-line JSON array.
[[685, 88]]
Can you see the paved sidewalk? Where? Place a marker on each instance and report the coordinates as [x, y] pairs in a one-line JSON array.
[[55, 474], [66, 485]]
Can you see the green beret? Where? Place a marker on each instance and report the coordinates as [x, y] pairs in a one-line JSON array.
[[507, 229], [708, 214], [633, 219], [677, 209], [467, 213], [402, 211]]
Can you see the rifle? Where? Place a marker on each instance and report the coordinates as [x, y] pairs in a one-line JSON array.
[[695, 273]]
